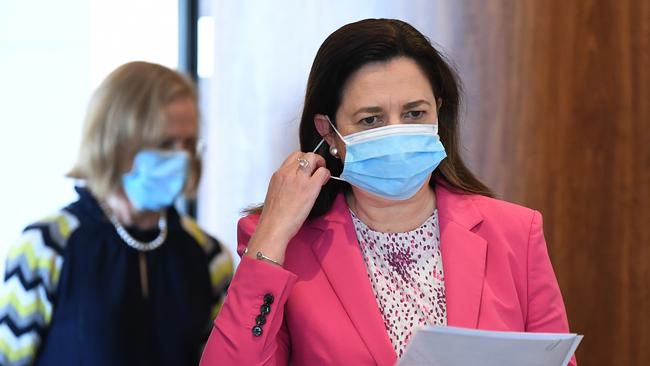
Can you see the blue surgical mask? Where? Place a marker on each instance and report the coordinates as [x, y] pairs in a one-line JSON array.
[[393, 161], [156, 179]]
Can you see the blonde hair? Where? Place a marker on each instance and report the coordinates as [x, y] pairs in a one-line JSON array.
[[125, 114]]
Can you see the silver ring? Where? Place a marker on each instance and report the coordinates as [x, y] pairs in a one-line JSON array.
[[303, 163]]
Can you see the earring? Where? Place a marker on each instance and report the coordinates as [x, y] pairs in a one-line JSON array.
[[334, 151]]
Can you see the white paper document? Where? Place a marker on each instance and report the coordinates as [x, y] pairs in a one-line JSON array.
[[451, 346]]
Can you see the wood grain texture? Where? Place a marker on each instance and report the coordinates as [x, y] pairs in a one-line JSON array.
[[558, 118]]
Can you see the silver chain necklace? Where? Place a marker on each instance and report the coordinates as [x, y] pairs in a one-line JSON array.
[[130, 241]]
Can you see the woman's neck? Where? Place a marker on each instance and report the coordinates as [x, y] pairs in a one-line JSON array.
[[385, 216], [127, 215]]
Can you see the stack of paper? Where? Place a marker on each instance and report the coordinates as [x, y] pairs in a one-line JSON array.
[[451, 346]]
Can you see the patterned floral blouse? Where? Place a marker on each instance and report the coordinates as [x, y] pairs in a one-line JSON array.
[[405, 270]]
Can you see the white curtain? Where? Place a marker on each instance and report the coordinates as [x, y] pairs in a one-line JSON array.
[[251, 102]]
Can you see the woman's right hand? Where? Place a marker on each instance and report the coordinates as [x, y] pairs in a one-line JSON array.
[[290, 197]]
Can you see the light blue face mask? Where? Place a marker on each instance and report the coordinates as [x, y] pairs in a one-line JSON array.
[[393, 161], [156, 179]]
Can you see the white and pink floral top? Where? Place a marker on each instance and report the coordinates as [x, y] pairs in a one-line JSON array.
[[405, 271]]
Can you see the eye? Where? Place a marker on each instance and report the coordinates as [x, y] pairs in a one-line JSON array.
[[369, 121], [414, 114], [188, 144], [167, 144], [191, 145]]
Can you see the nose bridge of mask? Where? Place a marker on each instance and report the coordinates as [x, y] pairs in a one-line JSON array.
[[161, 162], [156, 178], [378, 133]]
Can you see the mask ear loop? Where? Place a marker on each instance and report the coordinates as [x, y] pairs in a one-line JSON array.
[[335, 130], [323, 140], [317, 146]]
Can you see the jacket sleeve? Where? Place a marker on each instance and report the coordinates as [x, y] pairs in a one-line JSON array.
[[250, 327], [31, 278], [546, 312]]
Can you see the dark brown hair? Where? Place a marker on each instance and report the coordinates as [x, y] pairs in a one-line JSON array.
[[381, 40]]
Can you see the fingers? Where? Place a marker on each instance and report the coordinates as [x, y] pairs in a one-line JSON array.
[[321, 175], [292, 192], [308, 163], [291, 159], [319, 161]]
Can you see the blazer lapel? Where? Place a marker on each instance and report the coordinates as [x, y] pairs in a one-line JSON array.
[[339, 255], [463, 256]]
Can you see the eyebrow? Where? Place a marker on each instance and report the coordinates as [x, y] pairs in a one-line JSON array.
[[368, 110], [408, 105], [416, 103]]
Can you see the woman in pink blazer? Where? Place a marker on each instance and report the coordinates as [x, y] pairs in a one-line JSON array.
[[383, 228]]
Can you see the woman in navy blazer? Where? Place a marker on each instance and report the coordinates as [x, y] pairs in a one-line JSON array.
[[302, 294]]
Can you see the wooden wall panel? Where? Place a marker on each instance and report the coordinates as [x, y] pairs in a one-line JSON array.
[[558, 119]]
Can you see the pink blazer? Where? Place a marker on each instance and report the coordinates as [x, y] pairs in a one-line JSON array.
[[497, 272]]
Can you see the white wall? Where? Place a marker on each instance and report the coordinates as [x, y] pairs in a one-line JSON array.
[[52, 56]]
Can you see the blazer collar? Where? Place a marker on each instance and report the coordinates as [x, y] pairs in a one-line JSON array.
[[463, 256], [455, 206], [339, 254]]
